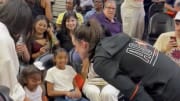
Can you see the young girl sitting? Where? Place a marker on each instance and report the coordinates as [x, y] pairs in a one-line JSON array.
[[60, 79], [43, 38], [31, 80]]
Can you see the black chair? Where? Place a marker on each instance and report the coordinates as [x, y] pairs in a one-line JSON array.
[[47, 60], [4, 94], [158, 24], [155, 8]]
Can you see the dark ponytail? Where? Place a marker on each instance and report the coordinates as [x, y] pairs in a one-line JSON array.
[[90, 32]]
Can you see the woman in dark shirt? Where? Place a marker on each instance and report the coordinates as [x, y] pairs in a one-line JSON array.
[[69, 23], [43, 38]]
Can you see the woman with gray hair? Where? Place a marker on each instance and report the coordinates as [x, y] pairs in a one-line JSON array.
[[15, 21]]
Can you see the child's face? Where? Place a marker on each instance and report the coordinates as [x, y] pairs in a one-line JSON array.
[[41, 26], [71, 23], [33, 81], [61, 60]]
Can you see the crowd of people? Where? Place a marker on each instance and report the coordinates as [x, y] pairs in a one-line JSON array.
[[113, 63]]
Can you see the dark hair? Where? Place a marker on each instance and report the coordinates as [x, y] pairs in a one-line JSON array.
[[38, 18], [67, 16], [58, 50], [90, 32], [74, 2], [26, 72], [17, 16]]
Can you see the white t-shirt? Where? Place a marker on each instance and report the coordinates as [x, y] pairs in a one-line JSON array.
[[35, 95], [9, 65], [62, 79]]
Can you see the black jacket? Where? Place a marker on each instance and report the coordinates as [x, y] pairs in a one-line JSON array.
[[65, 40], [127, 63]]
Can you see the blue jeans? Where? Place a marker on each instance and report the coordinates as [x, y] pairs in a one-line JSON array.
[[63, 98]]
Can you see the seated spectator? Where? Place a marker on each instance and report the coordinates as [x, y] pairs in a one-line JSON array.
[[60, 79], [85, 5], [169, 43], [15, 19], [107, 18], [69, 23], [98, 7], [40, 7], [133, 18], [31, 80], [69, 7], [43, 38]]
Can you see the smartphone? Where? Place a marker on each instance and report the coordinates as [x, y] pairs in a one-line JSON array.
[[173, 38]]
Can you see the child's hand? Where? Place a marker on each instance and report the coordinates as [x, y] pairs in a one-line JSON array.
[[77, 93], [69, 94]]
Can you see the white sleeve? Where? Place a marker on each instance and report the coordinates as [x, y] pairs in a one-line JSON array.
[[72, 71], [18, 93], [49, 76], [9, 65]]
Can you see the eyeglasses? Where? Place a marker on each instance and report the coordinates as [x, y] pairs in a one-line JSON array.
[[110, 8]]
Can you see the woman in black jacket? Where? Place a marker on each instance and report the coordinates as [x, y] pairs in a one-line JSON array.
[[69, 24], [137, 69]]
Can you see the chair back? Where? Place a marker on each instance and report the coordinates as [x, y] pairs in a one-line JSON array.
[[159, 23]]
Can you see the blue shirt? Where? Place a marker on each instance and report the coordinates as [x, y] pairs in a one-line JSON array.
[[89, 14], [114, 27]]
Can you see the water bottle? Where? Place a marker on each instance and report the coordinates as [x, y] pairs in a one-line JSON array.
[[20, 42]]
